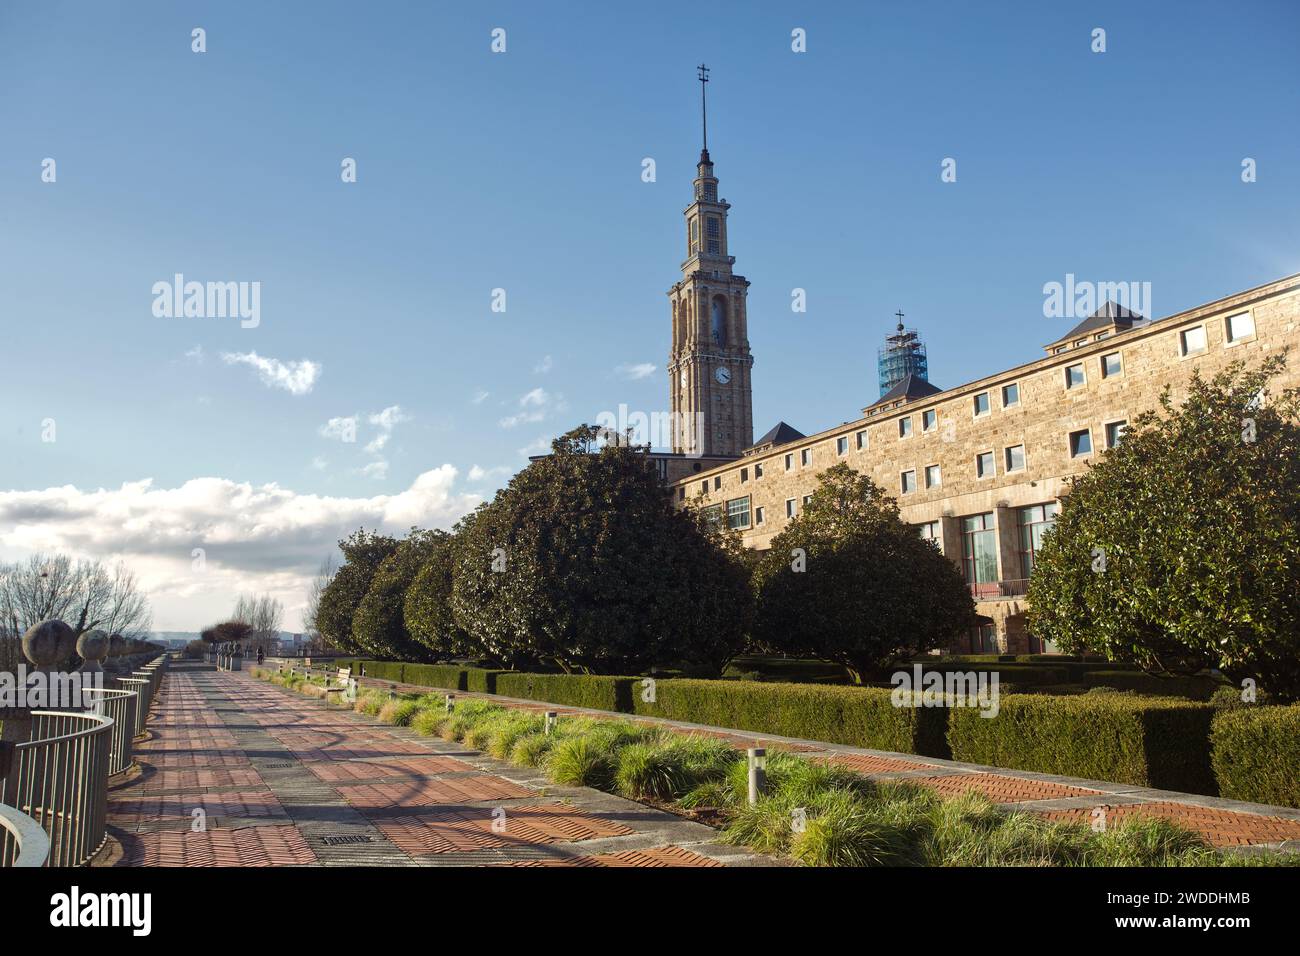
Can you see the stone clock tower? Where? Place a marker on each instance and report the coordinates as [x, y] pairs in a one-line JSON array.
[[709, 366]]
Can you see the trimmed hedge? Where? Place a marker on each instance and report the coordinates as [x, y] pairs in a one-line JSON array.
[[446, 676], [1256, 754], [384, 670], [598, 692], [1010, 672], [858, 716], [481, 680], [1193, 687], [1145, 741]]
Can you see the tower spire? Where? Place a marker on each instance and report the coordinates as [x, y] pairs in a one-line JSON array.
[[703, 76]]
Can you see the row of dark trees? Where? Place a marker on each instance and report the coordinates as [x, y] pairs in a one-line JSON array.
[[1179, 550], [583, 563]]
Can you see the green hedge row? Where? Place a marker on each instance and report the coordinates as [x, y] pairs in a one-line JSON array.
[[573, 690], [859, 716], [1256, 754], [1194, 687], [1142, 741]]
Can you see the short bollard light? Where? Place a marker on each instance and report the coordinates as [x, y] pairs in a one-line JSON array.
[[757, 773], [451, 702], [551, 718]]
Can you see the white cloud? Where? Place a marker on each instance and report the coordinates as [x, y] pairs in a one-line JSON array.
[[319, 463], [344, 428], [385, 421], [376, 469], [296, 378], [538, 446], [480, 397], [255, 538], [634, 372], [195, 354], [534, 406], [479, 473], [544, 366]]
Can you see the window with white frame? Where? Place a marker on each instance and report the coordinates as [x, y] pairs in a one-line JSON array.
[[905, 426], [758, 515], [1074, 376], [984, 467], [908, 481], [933, 476], [864, 441], [1191, 341], [1115, 432], [1239, 327], [790, 507], [842, 445], [805, 457], [1080, 443], [1010, 394], [1015, 457], [1111, 365], [981, 404], [929, 419]]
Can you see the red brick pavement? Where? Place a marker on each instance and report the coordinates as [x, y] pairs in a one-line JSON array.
[[460, 829], [657, 857], [1222, 828], [246, 846], [1000, 788], [338, 771]]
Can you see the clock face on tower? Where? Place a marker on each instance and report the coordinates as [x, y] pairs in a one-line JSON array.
[[723, 375]]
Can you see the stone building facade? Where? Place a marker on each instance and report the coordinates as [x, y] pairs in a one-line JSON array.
[[981, 468]]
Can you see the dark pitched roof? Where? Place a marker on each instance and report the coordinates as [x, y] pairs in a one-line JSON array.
[[781, 434], [913, 386], [1110, 314]]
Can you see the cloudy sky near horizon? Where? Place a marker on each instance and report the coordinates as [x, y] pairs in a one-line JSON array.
[[379, 388]]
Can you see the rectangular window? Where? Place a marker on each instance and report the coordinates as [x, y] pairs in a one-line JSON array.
[[711, 192], [930, 532], [715, 247], [863, 441], [806, 499], [1110, 365], [905, 426], [929, 419], [1115, 433], [1239, 327], [758, 515], [717, 482], [908, 481], [758, 471], [1034, 522], [681, 493], [984, 465], [805, 457], [1015, 457], [1074, 375], [1080, 443], [984, 639], [981, 404], [841, 446], [979, 553], [738, 513], [704, 487], [789, 507], [789, 462], [1191, 341], [933, 476], [713, 515], [1010, 395], [744, 475], [712, 229]]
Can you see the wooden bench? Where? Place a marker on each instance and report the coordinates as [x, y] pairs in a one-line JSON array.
[[344, 679]]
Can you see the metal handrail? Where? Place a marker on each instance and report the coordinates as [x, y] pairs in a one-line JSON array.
[[60, 779], [22, 841], [140, 686], [121, 706]]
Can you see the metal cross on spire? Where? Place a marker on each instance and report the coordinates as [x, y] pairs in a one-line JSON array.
[[703, 77], [899, 313]]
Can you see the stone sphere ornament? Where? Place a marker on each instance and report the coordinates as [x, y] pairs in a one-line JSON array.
[[93, 648], [49, 643]]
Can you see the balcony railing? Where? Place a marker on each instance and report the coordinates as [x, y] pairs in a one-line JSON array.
[[988, 590], [22, 841], [60, 780]]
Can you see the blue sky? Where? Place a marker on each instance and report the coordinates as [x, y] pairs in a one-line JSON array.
[[522, 171]]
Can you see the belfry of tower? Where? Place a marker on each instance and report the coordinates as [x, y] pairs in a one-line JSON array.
[[709, 365]]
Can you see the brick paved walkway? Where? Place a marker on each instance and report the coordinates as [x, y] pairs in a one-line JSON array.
[[240, 773], [1223, 823]]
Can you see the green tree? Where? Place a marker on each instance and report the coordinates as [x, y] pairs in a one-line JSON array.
[[584, 562], [426, 607], [848, 581], [363, 552], [1180, 549], [378, 625]]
